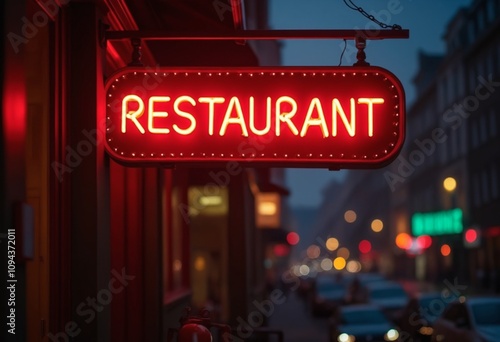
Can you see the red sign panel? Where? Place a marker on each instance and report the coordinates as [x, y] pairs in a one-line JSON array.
[[338, 117]]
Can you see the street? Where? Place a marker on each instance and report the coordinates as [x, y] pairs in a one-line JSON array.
[[297, 323]]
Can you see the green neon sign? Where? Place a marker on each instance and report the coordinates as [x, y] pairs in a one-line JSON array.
[[437, 223]]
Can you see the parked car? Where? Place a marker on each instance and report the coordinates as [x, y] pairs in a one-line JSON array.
[[368, 278], [469, 320], [305, 286], [356, 290], [362, 322], [390, 296], [418, 316], [328, 294]]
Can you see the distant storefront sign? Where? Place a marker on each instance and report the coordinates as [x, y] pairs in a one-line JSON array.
[[338, 117], [437, 223]]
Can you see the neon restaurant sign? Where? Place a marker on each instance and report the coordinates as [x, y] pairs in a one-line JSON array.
[[336, 117]]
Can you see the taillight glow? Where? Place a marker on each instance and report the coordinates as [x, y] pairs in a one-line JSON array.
[[470, 235]]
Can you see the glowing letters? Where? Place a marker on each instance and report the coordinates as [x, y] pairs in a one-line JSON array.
[[132, 115], [236, 115], [285, 116], [184, 114]]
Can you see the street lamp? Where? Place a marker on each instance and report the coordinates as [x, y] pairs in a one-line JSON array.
[[450, 184], [377, 225]]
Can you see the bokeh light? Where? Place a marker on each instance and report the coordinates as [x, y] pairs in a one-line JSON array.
[[392, 335], [377, 225], [350, 216], [304, 270], [470, 235], [345, 338], [313, 252], [339, 263], [424, 241], [365, 246], [326, 264], [292, 238], [343, 252], [403, 241], [353, 266], [445, 250], [450, 184], [199, 263], [332, 244], [281, 250]]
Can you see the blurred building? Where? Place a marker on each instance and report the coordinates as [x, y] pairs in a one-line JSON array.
[[143, 242], [444, 184], [452, 129], [480, 32]]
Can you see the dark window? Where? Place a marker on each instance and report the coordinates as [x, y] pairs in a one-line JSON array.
[[363, 317]]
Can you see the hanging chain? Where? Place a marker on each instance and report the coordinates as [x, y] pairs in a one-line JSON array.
[[343, 51], [354, 7]]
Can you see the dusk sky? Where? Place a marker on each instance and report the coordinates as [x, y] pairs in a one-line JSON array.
[[426, 20]]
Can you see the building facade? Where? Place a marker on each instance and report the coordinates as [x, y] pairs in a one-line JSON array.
[[107, 252], [481, 59], [451, 134]]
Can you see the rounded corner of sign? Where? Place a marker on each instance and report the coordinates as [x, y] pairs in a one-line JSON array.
[[110, 80], [115, 156], [392, 155], [397, 82], [117, 74]]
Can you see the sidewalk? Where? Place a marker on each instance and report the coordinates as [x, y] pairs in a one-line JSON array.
[[297, 323]]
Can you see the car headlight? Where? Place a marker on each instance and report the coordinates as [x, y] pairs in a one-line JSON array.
[[391, 335], [346, 338], [426, 330]]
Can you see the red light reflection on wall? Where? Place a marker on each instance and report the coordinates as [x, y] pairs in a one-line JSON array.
[[318, 117], [281, 250]]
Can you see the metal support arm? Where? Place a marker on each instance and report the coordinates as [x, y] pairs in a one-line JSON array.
[[260, 35]]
